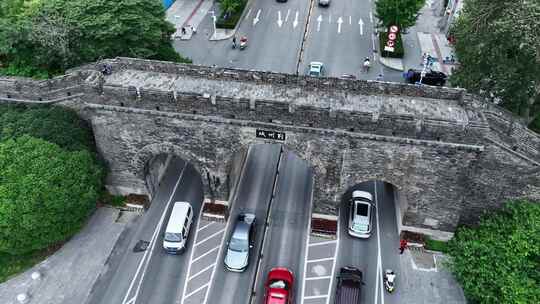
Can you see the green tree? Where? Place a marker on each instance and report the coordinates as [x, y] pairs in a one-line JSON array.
[[498, 261], [498, 49], [46, 193], [402, 13], [58, 125], [229, 6], [54, 35]]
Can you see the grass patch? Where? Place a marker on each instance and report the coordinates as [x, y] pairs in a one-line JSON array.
[[11, 265], [232, 20], [435, 245]]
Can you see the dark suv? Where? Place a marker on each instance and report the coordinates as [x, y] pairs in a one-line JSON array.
[[434, 78], [349, 286]]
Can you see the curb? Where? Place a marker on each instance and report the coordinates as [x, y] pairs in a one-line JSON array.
[[386, 64]]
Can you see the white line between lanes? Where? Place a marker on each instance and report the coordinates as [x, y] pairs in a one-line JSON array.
[[316, 297], [206, 226], [204, 254], [307, 243], [318, 278], [333, 275], [201, 271], [196, 290], [153, 242], [207, 238], [379, 259], [323, 243]]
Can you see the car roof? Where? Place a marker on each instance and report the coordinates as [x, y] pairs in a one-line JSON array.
[[241, 230], [316, 63], [178, 214]]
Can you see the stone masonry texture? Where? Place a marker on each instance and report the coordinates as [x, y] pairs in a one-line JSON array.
[[452, 155]]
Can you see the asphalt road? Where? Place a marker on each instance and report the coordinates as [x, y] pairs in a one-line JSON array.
[[376, 253], [288, 223], [151, 276], [254, 194]]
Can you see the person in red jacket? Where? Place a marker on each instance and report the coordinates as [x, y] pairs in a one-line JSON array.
[[402, 245]]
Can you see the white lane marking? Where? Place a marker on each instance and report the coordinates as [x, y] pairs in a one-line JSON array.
[[319, 20], [204, 254], [350, 20], [191, 256], [379, 259], [373, 42], [248, 13], [308, 238], [333, 273], [295, 22], [361, 23], [201, 271], [339, 22], [323, 243], [256, 19], [320, 260], [196, 290], [209, 237], [219, 254], [206, 226], [371, 17], [318, 278], [153, 242], [132, 300], [279, 21], [316, 297], [329, 19], [287, 16]]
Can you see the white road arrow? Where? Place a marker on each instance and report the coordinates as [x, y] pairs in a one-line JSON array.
[[287, 16], [339, 22], [361, 23], [319, 20], [295, 22], [279, 21], [256, 19]]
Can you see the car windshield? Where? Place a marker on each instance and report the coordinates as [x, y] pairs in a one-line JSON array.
[[362, 209], [239, 245], [278, 284], [314, 73], [173, 237]]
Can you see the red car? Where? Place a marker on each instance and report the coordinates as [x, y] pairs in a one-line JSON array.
[[279, 286]]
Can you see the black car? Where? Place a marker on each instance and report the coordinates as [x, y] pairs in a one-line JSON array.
[[434, 78], [349, 286]]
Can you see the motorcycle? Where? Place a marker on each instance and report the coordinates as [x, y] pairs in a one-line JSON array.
[[243, 42], [389, 279]]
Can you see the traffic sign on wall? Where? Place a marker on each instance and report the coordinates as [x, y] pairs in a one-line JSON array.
[[270, 134]]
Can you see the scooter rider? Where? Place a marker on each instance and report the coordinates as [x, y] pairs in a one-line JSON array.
[[367, 63], [389, 277]]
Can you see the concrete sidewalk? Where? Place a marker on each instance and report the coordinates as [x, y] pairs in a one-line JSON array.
[[188, 14], [425, 37], [68, 275]]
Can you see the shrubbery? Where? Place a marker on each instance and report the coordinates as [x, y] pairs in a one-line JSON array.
[[499, 261], [398, 49], [232, 10]]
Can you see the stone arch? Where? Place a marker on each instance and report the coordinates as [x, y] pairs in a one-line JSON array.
[[140, 160]]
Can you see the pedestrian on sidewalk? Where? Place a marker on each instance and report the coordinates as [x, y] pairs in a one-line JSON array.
[[183, 30], [193, 30], [402, 245]]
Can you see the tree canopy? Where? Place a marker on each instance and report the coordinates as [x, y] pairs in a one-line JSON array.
[[46, 37], [402, 13], [499, 53], [498, 261], [46, 193]]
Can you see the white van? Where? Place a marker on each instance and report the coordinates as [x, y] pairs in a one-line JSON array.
[[177, 231]]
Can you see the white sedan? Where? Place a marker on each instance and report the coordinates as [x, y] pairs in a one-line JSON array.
[[361, 214]]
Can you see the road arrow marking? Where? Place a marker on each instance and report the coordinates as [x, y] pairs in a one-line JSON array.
[[256, 19], [248, 13], [361, 23], [287, 17], [339, 22], [279, 21], [295, 22], [319, 20], [350, 20]]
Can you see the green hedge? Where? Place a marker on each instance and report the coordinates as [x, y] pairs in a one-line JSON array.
[[398, 49], [230, 23], [436, 245]]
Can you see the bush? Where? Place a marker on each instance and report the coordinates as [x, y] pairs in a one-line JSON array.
[[398, 52], [232, 20], [498, 261], [58, 125], [46, 193], [436, 245], [535, 124]]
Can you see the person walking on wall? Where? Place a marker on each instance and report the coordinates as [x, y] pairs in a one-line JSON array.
[[402, 245]]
